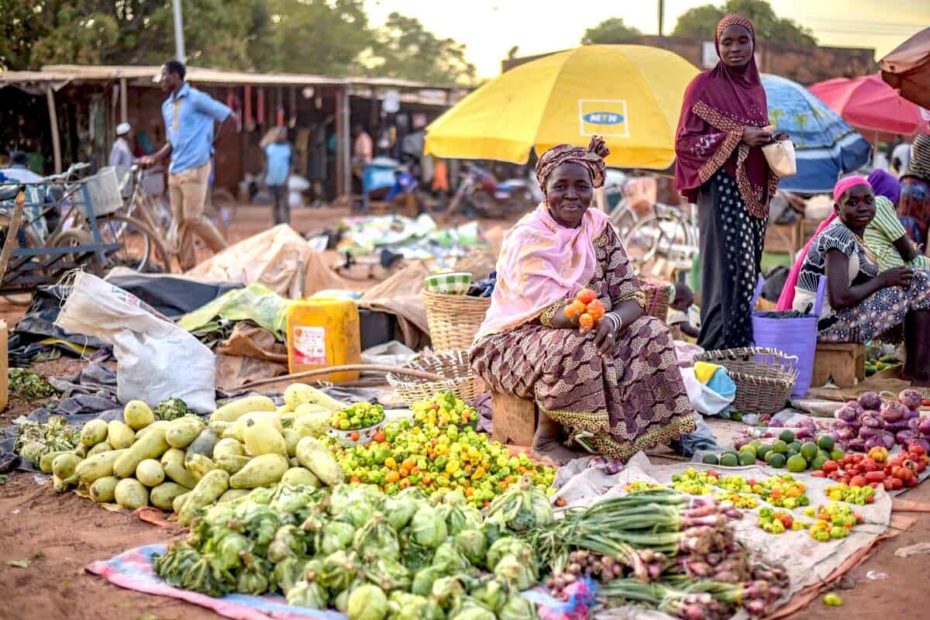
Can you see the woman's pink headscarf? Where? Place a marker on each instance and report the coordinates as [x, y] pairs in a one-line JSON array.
[[786, 299]]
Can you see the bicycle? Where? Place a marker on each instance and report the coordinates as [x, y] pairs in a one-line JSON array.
[[666, 234]]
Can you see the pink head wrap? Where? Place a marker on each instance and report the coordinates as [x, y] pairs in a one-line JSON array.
[[843, 185], [786, 299]]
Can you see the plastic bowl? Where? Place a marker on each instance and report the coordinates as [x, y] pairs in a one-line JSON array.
[[449, 283], [365, 435]]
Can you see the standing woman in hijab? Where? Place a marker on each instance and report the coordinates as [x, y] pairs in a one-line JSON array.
[[721, 167]]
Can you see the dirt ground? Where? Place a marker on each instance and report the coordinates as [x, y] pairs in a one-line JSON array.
[[60, 534]]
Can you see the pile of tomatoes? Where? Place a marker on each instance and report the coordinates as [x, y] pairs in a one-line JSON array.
[[878, 468]]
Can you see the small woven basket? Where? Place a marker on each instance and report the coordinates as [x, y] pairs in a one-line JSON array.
[[460, 379], [764, 378], [658, 297], [454, 319]]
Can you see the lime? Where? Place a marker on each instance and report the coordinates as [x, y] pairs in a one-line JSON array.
[[747, 458], [797, 463], [809, 450], [836, 454], [818, 462], [762, 451], [822, 453], [780, 447], [768, 457], [750, 449], [791, 453], [832, 599], [729, 459], [778, 461], [795, 445], [756, 444], [825, 442], [711, 459], [787, 436]]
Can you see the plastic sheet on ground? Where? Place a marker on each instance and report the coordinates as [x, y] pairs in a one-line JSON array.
[[277, 258], [807, 561], [171, 294], [255, 302], [134, 570], [418, 238]]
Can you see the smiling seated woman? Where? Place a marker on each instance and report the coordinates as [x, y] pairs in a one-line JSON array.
[[863, 303], [615, 390]]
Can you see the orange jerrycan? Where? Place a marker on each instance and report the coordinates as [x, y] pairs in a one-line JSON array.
[[323, 332]]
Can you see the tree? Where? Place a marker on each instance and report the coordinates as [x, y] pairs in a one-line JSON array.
[[405, 49], [611, 30], [701, 22]]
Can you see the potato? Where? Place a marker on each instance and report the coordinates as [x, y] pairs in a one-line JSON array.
[[103, 490], [138, 415], [299, 476], [150, 473], [230, 412], [262, 438], [163, 495], [98, 466], [260, 471], [93, 433], [183, 431], [151, 445], [131, 494], [172, 462], [119, 435], [207, 491]]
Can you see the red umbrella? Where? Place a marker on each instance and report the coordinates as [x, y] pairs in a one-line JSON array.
[[907, 68], [870, 105]]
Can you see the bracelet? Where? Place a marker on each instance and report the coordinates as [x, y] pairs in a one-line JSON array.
[[616, 320]]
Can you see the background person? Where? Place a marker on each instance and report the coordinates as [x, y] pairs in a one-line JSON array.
[[885, 235], [189, 117], [279, 157], [720, 166], [121, 156]]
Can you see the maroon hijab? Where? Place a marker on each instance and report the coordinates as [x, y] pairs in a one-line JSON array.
[[718, 104]]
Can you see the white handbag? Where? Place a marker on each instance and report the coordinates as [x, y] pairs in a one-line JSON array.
[[781, 158]]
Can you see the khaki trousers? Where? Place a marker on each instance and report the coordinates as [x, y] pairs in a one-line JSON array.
[[187, 191]]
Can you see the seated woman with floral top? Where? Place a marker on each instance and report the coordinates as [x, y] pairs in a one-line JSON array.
[[863, 302], [616, 389]]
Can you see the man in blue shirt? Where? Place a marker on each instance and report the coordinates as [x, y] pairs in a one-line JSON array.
[[277, 170], [189, 119]]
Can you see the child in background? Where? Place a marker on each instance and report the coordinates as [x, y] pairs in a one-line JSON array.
[[678, 318]]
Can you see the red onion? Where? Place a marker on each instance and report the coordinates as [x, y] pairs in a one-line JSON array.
[[910, 398], [776, 424], [872, 420], [856, 444], [843, 434], [893, 411], [912, 424], [870, 401], [873, 442], [804, 433], [886, 439], [904, 437], [808, 423], [921, 441], [867, 432], [894, 427], [911, 414], [924, 426]]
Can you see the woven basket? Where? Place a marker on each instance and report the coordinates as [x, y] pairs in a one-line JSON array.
[[451, 364], [454, 319], [658, 297], [764, 378]]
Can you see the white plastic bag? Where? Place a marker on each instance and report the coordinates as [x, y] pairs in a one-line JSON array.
[[156, 359]]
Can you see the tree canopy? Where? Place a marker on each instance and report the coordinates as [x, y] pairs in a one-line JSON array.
[[611, 30], [700, 22], [332, 37]]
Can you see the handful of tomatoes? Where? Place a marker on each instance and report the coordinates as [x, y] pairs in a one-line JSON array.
[[587, 308], [878, 468]]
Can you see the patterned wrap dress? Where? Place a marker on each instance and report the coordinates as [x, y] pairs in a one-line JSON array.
[[631, 399]]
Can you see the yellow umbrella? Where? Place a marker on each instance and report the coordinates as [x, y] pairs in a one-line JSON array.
[[630, 94]]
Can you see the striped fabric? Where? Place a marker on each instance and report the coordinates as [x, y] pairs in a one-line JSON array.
[[881, 234], [919, 165]]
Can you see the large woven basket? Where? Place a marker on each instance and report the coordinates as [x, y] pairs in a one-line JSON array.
[[454, 319], [658, 297], [764, 377], [460, 379]]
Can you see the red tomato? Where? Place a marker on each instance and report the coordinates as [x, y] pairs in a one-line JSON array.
[[819, 474], [916, 448], [896, 484], [858, 481], [888, 483], [875, 476], [911, 482], [830, 466], [869, 465]]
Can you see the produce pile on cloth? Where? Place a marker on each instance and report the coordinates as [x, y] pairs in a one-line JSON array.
[[418, 238]]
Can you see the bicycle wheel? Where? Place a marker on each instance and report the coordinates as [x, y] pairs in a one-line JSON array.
[[141, 248], [623, 218], [74, 237]]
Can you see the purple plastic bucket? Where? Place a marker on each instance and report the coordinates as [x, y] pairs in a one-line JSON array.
[[796, 337]]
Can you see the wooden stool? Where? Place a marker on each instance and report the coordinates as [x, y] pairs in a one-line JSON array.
[[845, 363], [513, 419]]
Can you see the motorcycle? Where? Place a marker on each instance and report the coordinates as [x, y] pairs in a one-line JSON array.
[[481, 195]]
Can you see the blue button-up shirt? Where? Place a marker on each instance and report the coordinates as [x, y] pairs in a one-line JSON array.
[[189, 116]]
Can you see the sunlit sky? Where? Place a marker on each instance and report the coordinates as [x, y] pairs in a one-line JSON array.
[[489, 28]]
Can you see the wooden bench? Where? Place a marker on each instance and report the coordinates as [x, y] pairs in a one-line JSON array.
[[513, 419], [845, 363]]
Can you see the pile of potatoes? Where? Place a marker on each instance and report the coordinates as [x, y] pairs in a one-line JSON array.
[[187, 464]]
